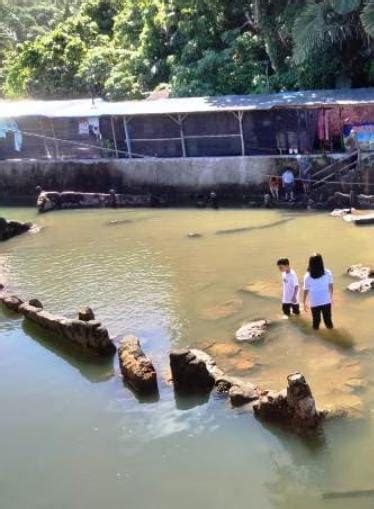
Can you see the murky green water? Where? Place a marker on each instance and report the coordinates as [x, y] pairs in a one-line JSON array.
[[71, 436]]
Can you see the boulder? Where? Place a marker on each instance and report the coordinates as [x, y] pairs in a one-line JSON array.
[[12, 302], [86, 314], [362, 286], [193, 371], [9, 229], [36, 303], [243, 394], [252, 331], [294, 407], [360, 272], [91, 336], [137, 370]]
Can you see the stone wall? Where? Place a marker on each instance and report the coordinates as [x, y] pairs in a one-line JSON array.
[[176, 177]]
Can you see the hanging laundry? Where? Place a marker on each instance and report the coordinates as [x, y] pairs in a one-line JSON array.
[[11, 126]]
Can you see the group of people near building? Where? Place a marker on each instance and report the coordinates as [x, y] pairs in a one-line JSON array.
[[285, 184], [317, 290]]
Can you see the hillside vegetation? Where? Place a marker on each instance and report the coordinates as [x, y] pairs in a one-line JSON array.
[[122, 49]]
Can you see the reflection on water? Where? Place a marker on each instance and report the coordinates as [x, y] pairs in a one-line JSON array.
[[75, 421]]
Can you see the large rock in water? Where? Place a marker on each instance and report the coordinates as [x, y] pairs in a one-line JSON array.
[[252, 331], [52, 200], [136, 368], [360, 271], [11, 302], [362, 286], [193, 371], [365, 276], [91, 335], [9, 229], [294, 407]]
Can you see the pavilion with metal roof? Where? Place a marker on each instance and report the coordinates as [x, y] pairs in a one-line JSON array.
[[288, 122]]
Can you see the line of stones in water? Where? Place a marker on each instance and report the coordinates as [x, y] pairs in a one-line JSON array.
[[193, 371]]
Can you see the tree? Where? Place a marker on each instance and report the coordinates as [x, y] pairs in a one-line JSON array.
[[335, 28]]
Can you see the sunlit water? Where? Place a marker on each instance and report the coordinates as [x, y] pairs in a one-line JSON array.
[[72, 436]]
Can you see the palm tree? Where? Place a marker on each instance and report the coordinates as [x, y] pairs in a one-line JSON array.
[[367, 18], [331, 23]]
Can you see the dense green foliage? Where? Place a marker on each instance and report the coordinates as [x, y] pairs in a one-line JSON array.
[[127, 48]]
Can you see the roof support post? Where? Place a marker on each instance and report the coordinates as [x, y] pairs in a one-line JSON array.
[[47, 154], [127, 135], [57, 150], [239, 116], [114, 135], [181, 130]]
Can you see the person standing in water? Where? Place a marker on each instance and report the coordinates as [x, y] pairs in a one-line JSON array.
[[290, 297], [318, 288]]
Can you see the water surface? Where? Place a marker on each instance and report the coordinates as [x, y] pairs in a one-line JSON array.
[[72, 436]]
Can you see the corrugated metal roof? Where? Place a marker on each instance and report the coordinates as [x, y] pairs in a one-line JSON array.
[[87, 108]]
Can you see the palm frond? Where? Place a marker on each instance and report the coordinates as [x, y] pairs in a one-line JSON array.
[[311, 30], [367, 18]]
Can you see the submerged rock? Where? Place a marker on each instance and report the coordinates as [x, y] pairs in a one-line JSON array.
[[137, 370], [252, 331], [294, 407], [9, 229], [193, 235], [224, 310]]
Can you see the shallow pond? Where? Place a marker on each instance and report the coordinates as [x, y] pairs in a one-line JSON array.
[[72, 436]]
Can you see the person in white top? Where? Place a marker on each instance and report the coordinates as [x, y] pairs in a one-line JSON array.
[[290, 297], [288, 182], [318, 288]]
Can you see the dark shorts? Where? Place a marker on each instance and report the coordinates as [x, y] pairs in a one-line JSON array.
[[287, 308], [288, 188]]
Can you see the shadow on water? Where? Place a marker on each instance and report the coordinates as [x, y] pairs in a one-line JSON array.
[[187, 402], [337, 337], [314, 440], [143, 399], [253, 228], [93, 368]]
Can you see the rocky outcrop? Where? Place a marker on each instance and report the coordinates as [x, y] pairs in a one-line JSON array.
[[365, 276], [51, 200], [252, 331], [11, 302], [89, 335], [243, 393], [360, 271], [136, 368], [362, 286], [295, 407], [10, 229], [193, 371]]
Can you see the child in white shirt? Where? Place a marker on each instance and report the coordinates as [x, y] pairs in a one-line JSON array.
[[290, 297]]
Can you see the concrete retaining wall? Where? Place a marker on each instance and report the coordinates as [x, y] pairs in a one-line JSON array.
[[179, 177]]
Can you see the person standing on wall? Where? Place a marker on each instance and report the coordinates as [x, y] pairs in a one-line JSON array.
[[318, 288], [288, 182]]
